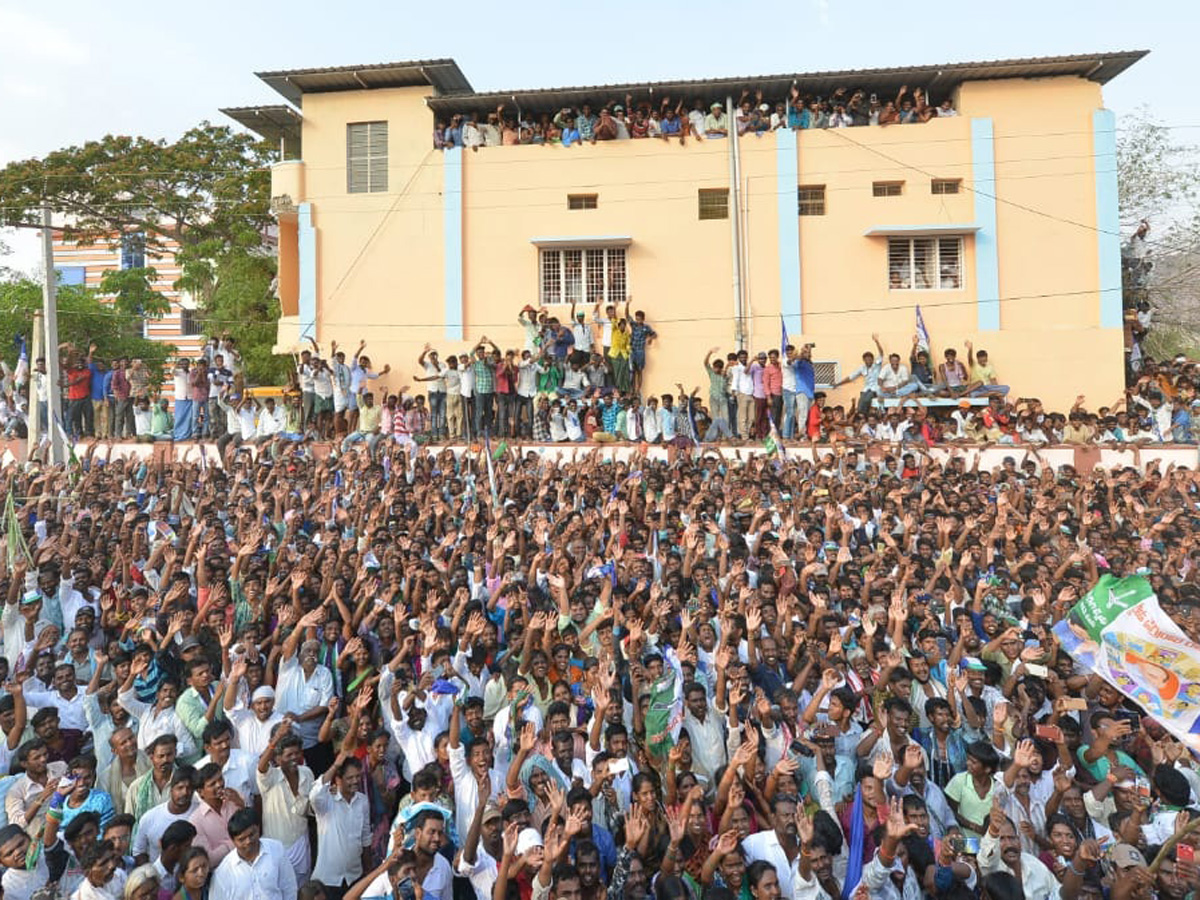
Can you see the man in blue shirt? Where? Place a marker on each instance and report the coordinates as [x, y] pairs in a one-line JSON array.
[[96, 418], [806, 387]]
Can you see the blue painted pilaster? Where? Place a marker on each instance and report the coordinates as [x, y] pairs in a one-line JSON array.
[[306, 245], [787, 174], [1108, 220], [987, 257]]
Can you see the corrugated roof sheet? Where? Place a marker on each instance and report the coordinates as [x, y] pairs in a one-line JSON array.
[[937, 80], [441, 74], [272, 123]]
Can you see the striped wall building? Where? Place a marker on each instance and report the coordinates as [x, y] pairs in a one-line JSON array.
[[86, 264]]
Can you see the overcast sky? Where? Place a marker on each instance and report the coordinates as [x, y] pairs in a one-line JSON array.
[[72, 71]]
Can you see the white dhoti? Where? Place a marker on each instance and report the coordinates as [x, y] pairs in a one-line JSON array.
[[300, 857]]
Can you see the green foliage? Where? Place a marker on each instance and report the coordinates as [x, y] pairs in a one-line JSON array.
[[242, 303], [133, 292], [204, 196], [83, 319]]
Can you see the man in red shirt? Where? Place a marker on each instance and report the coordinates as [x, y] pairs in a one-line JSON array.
[[79, 392]]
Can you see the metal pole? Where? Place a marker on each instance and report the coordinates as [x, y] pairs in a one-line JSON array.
[[36, 426], [735, 207], [50, 310]]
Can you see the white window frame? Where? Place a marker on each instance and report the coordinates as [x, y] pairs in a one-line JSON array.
[[937, 262], [554, 263]]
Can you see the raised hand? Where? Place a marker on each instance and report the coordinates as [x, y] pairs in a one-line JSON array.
[[883, 766], [897, 828]]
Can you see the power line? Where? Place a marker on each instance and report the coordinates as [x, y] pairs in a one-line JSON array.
[[927, 304]]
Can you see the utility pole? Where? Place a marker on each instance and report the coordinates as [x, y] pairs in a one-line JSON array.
[[50, 310], [36, 426]]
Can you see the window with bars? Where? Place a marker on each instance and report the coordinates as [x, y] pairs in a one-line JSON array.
[[825, 373], [811, 198], [189, 321], [582, 201], [585, 275], [887, 188], [925, 264], [945, 185], [714, 203], [367, 157]]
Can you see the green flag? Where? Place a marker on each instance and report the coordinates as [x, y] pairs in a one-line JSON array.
[[660, 715]]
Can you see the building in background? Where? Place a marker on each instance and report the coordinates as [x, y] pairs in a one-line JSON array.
[[85, 264], [999, 222]]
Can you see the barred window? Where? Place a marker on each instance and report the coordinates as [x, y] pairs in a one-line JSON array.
[[925, 264], [945, 185], [713, 203], [887, 188], [811, 198], [582, 201], [583, 275]]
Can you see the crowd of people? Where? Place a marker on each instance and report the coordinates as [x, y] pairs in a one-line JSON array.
[[579, 379], [411, 673], [683, 120]]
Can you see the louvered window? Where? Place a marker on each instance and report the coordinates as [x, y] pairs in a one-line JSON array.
[[367, 157], [925, 264]]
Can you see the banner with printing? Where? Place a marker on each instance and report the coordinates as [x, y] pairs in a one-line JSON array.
[[1119, 631]]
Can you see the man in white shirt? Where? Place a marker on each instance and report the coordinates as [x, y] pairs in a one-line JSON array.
[[159, 718], [253, 725], [285, 785], [1000, 851], [237, 765], [778, 846], [181, 803], [343, 825], [63, 696], [467, 765], [304, 688], [893, 376], [257, 869]]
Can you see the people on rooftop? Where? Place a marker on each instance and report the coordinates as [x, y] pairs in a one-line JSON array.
[[698, 119]]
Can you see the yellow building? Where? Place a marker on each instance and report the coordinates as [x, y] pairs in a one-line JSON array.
[[1000, 222]]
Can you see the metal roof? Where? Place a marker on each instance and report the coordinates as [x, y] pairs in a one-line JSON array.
[[443, 75], [272, 123], [937, 80]]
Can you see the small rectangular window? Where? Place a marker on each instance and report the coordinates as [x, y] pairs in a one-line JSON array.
[[945, 185], [825, 373], [714, 203], [887, 188], [811, 198], [582, 201], [367, 157]]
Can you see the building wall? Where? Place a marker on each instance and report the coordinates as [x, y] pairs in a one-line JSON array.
[[389, 268], [97, 259]]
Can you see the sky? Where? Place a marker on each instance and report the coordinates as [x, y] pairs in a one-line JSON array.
[[73, 71]]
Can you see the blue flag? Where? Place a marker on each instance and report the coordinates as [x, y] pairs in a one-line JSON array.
[[783, 338]]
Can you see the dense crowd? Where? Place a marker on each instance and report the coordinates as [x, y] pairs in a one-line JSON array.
[[683, 120], [416, 674], [580, 380]]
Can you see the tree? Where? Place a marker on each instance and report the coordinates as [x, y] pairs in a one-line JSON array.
[[205, 196], [243, 304], [1159, 181], [83, 318]]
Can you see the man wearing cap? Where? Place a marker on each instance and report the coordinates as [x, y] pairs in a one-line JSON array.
[[253, 725], [483, 848], [716, 123], [582, 332]]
